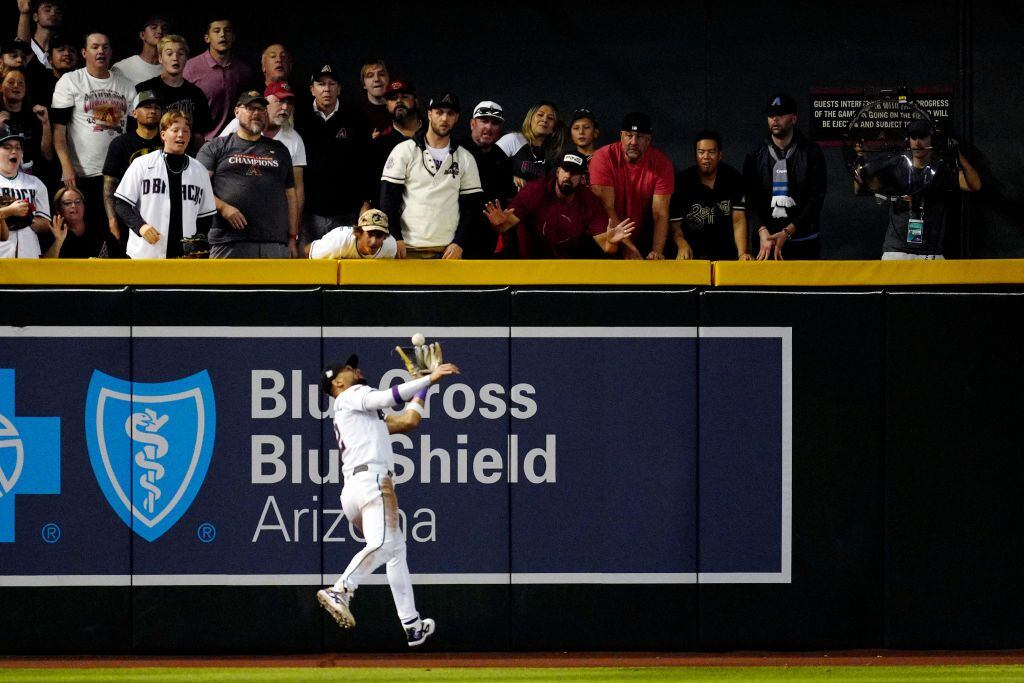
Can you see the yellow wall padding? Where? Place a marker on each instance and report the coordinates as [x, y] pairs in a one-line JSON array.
[[169, 272], [549, 272], [867, 273]]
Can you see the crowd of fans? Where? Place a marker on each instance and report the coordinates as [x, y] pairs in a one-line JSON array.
[[176, 152]]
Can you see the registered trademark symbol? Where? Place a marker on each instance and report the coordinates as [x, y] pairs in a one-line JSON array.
[[50, 533], [206, 532]]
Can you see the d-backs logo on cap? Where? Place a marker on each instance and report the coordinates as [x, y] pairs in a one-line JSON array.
[[447, 99], [575, 159], [326, 69], [777, 102]]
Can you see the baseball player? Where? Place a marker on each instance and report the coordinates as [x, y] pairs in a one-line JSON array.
[[370, 238], [165, 196], [368, 496], [24, 204]]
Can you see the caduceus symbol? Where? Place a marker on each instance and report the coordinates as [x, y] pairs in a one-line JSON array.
[[143, 428]]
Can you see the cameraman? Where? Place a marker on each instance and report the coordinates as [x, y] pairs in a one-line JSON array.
[[917, 218]]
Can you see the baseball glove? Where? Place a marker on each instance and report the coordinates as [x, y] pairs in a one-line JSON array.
[[17, 222], [196, 246], [420, 360]]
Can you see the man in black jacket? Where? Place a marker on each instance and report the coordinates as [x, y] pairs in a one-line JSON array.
[[339, 180], [785, 182]]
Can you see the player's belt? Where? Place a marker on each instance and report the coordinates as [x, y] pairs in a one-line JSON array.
[[359, 469]]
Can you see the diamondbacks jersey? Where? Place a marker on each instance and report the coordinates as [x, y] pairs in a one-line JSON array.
[[430, 215], [360, 425], [145, 186], [23, 242], [341, 243]]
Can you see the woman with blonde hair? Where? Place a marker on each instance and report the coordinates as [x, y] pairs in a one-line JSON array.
[[535, 149]]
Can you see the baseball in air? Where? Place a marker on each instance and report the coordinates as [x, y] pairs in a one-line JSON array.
[[418, 339]]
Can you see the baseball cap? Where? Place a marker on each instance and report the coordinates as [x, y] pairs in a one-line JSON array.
[[780, 103], [400, 86], [573, 162], [637, 122], [446, 100], [7, 134], [326, 69], [488, 110], [279, 89], [332, 370], [582, 113], [374, 219], [145, 97], [921, 128], [250, 96]]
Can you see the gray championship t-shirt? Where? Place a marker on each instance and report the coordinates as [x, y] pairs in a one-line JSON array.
[[252, 177]]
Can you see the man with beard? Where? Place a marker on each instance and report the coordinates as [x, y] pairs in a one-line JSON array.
[[42, 79], [25, 206], [218, 73], [430, 188], [47, 15], [253, 188], [557, 218], [280, 112], [495, 178], [339, 180], [146, 64], [634, 180], [406, 121], [90, 109], [125, 149], [177, 93], [785, 182], [708, 216]]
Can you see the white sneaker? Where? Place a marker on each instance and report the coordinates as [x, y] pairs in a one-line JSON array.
[[418, 633], [336, 604]]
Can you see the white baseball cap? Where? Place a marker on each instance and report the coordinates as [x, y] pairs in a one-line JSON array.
[[490, 110]]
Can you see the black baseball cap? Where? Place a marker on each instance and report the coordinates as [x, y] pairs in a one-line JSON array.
[[637, 122], [779, 104], [582, 113], [573, 162], [7, 134], [445, 100], [921, 128], [332, 370], [326, 69], [250, 96]]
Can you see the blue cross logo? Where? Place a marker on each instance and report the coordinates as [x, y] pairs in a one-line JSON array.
[[29, 455]]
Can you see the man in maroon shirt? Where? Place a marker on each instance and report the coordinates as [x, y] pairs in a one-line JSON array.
[[558, 219], [218, 73]]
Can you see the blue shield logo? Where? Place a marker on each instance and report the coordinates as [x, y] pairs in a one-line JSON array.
[[150, 446]]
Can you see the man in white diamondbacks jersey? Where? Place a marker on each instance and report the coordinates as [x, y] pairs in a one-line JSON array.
[[24, 204], [369, 238], [368, 496]]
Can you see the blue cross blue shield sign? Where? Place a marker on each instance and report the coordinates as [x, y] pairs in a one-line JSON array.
[[150, 446]]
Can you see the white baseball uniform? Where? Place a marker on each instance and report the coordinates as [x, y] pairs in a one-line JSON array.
[[145, 186], [368, 496], [341, 243], [23, 242]]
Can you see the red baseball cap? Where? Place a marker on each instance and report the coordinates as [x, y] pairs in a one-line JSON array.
[[279, 89]]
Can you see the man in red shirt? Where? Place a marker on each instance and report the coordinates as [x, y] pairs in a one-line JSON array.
[[558, 217], [634, 180]]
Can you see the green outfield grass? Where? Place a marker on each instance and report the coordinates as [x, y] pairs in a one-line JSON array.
[[290, 675]]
